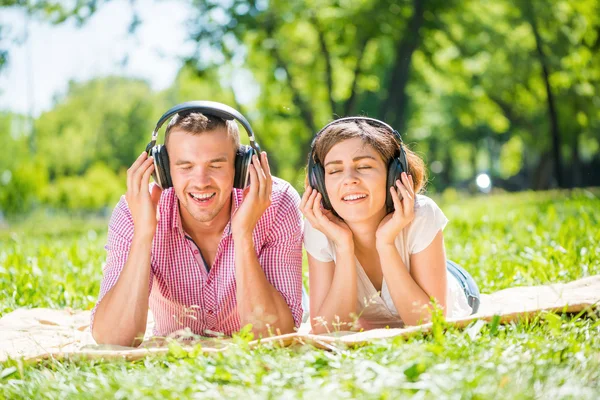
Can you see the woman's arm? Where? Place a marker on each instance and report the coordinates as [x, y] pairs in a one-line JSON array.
[[411, 291], [333, 293]]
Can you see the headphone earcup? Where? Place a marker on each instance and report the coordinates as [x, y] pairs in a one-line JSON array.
[[316, 177], [395, 169], [243, 158], [162, 172]]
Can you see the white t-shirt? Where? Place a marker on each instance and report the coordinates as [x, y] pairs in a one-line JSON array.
[[380, 311]]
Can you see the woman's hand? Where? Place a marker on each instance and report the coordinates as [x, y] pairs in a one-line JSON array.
[[331, 226], [404, 211]]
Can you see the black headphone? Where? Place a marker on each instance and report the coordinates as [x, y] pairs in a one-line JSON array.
[[243, 156], [397, 164]]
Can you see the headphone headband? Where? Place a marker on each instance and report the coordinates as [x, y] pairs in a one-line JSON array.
[[213, 108], [394, 132]]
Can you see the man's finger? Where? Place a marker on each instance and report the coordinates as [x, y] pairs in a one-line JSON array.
[[262, 179], [267, 170], [136, 178], [145, 185], [254, 183], [134, 167]]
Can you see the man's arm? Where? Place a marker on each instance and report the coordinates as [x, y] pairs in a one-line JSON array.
[[121, 315], [122, 311], [259, 303], [265, 294]]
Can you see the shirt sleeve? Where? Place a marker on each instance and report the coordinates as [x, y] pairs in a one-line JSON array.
[[118, 244], [429, 220], [281, 256], [317, 244]]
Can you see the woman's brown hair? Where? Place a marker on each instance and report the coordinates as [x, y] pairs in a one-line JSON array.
[[378, 137]]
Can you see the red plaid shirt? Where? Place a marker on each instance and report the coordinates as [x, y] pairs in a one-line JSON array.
[[182, 292]]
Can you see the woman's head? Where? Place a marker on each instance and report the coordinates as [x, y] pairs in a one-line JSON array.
[[355, 155]]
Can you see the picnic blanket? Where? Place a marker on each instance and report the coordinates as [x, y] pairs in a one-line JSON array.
[[37, 334]]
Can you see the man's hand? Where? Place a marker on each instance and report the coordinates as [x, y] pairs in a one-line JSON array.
[[257, 197], [142, 204], [325, 221], [404, 211]]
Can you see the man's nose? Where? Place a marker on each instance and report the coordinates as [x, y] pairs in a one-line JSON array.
[[202, 176]]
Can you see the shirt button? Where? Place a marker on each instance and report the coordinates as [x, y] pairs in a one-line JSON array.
[[210, 312], [195, 251]]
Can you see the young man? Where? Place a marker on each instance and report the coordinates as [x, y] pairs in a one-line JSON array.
[[201, 254]]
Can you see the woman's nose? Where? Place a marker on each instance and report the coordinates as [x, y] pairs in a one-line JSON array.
[[350, 177]]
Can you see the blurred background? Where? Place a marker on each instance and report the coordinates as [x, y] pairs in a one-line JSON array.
[[495, 95]]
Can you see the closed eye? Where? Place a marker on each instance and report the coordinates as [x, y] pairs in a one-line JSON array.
[[364, 167], [333, 171]]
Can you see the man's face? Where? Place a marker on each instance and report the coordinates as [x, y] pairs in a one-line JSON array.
[[202, 170]]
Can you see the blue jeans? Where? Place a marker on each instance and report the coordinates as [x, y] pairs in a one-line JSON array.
[[467, 283]]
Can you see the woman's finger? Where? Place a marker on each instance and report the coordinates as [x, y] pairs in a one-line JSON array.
[[396, 200], [317, 207], [402, 189], [309, 203], [305, 197], [407, 184], [308, 210]]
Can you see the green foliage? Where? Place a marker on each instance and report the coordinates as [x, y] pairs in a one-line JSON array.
[[106, 120], [466, 82], [99, 187], [21, 187]]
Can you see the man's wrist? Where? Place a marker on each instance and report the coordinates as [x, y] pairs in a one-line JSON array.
[[144, 234], [242, 236]]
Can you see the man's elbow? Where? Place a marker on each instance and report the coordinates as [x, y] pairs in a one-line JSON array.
[[103, 337]]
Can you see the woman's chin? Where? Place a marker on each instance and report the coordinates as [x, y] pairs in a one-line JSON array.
[[356, 215]]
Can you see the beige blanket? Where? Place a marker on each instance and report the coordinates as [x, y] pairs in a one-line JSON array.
[[36, 334]]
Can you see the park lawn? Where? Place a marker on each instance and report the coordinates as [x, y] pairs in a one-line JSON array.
[[503, 240]]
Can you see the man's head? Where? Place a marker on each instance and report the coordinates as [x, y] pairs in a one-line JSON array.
[[202, 153]]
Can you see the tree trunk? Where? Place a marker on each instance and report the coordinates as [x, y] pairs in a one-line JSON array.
[[552, 113], [351, 101], [327, 59], [575, 162], [394, 107]]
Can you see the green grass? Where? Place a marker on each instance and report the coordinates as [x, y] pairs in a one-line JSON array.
[[503, 240]]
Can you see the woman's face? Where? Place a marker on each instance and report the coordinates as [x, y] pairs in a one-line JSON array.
[[355, 178]]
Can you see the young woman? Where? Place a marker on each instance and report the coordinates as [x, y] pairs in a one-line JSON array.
[[375, 246]]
